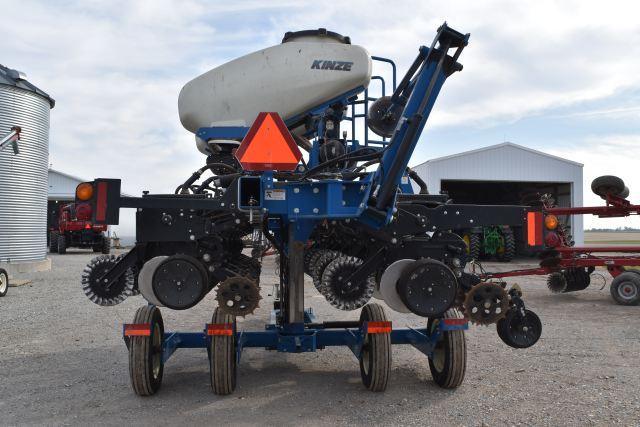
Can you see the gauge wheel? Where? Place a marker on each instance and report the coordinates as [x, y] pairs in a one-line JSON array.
[[223, 356], [4, 282], [448, 362], [145, 353], [375, 355], [625, 288]]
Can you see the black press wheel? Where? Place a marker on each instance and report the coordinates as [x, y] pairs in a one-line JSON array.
[[62, 244], [519, 329], [145, 353], [4, 282], [53, 242], [222, 357], [449, 361], [375, 356], [625, 288]]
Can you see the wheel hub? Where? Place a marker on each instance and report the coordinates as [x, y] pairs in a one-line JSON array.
[[628, 291]]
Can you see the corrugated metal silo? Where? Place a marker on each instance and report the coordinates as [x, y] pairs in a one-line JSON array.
[[23, 177]]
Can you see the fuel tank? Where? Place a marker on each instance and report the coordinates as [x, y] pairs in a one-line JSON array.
[[306, 70]]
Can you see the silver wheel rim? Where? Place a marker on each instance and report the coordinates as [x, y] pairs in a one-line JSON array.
[[627, 291], [4, 280]]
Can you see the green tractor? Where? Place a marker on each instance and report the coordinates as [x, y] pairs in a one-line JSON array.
[[487, 242]]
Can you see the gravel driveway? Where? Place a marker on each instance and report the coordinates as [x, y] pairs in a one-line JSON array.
[[63, 361]]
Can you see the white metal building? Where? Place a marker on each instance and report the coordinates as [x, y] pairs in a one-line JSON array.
[[506, 173]]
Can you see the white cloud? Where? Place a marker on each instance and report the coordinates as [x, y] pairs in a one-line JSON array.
[[115, 68]]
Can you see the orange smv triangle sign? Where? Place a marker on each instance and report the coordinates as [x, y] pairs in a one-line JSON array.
[[268, 146]]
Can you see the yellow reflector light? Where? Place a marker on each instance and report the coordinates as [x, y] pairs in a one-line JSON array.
[[84, 191], [551, 222]]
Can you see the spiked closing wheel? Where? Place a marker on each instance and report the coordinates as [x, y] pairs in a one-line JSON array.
[[344, 294], [486, 303], [101, 293], [238, 296]]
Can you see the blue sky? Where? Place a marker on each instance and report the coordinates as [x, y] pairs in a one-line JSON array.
[[561, 77]]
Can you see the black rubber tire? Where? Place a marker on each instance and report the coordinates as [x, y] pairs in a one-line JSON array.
[[607, 184], [449, 361], [53, 242], [625, 288], [4, 282], [145, 353], [625, 193], [106, 245], [509, 245], [62, 244], [223, 368], [375, 356], [475, 246]]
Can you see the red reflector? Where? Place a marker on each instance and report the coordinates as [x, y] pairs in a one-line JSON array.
[[137, 330], [454, 322], [534, 228], [220, 329], [268, 146], [378, 327], [101, 208]]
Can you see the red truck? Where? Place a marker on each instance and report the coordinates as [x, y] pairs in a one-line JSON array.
[[73, 228]]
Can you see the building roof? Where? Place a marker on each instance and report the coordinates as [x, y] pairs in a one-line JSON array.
[[497, 147], [66, 175], [18, 79]]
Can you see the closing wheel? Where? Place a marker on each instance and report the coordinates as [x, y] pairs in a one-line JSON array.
[[449, 360], [145, 353], [625, 288], [519, 329], [4, 282], [375, 356], [222, 356]]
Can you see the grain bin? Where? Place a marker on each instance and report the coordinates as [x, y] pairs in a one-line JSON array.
[[23, 177]]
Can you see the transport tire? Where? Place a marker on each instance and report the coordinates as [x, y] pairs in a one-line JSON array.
[[145, 353], [509, 250], [607, 184], [106, 245], [62, 244], [449, 360], [625, 288], [223, 357], [4, 282], [375, 355], [53, 242]]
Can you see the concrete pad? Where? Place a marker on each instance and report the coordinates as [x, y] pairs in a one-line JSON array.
[[23, 267]]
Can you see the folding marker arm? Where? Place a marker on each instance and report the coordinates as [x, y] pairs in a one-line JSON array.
[[432, 67]]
